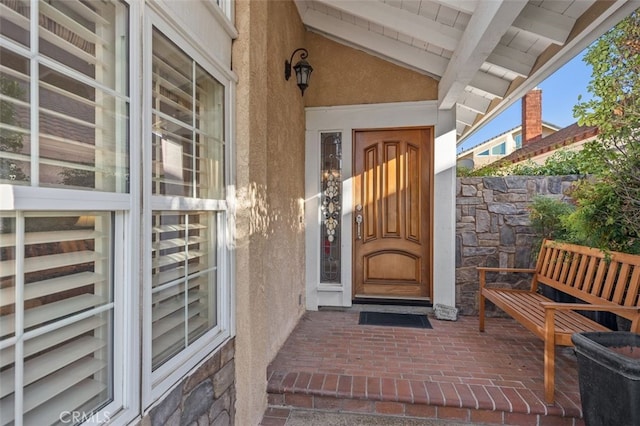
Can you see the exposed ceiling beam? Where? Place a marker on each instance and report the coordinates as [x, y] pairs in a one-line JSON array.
[[465, 6], [596, 26], [486, 27], [489, 84], [544, 23], [375, 43], [473, 102], [465, 116], [512, 59], [404, 22]]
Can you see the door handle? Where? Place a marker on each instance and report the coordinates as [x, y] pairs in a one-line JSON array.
[[359, 226]]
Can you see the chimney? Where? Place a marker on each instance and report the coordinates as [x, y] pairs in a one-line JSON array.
[[531, 116]]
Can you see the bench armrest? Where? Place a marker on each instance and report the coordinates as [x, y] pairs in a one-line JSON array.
[[588, 307], [550, 309], [482, 277]]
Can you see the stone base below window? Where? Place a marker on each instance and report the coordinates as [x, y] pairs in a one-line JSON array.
[[205, 397]]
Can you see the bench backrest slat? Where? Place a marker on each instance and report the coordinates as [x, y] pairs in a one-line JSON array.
[[591, 271], [545, 261], [598, 280], [621, 283], [611, 274], [590, 274], [584, 262], [558, 259], [632, 297], [566, 266], [574, 268]]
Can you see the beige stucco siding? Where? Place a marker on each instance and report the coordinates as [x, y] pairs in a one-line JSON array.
[[346, 76], [270, 184], [270, 166]]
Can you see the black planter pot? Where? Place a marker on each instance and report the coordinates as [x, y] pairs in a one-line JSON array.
[[609, 377]]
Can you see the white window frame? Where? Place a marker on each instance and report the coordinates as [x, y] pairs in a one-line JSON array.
[[136, 388], [224, 12], [20, 198], [156, 383], [502, 146]]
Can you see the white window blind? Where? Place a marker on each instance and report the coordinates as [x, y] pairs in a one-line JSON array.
[[56, 294], [188, 117], [187, 166], [184, 281], [76, 136], [63, 123], [68, 279]]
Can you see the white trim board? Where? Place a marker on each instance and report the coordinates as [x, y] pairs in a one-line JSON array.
[[346, 119]]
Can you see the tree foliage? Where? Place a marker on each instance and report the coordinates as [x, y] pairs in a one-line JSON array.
[[615, 85], [614, 199]]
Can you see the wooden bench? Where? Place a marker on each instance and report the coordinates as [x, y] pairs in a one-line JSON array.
[[603, 281]]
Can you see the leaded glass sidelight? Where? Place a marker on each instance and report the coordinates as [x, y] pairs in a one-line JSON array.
[[331, 203]]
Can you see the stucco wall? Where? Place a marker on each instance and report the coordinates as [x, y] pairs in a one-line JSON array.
[[270, 186], [346, 76], [283, 256], [270, 164]]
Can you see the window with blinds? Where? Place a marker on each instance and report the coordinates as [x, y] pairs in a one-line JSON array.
[[70, 250], [184, 280], [64, 108], [188, 114], [187, 187], [56, 315], [77, 132]]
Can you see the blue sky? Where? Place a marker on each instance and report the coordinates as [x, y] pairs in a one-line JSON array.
[[560, 93]]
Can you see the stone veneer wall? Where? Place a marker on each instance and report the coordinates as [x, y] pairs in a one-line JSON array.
[[205, 397], [493, 229]]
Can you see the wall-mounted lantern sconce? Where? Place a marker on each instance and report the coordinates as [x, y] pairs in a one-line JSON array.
[[303, 69]]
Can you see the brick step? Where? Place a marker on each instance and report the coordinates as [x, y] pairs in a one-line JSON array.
[[415, 399], [302, 417]]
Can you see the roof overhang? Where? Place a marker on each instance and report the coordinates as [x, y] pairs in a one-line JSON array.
[[485, 54]]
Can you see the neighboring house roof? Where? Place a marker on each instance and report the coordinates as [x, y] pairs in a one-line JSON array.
[[563, 137], [512, 130]]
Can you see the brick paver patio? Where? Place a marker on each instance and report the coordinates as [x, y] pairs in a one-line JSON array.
[[451, 371]]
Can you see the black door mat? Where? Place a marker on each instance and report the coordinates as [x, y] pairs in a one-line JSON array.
[[394, 320]]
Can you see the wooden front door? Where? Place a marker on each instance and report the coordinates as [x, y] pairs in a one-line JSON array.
[[392, 210]]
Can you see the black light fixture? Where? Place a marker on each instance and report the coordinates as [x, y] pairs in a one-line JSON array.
[[303, 69]]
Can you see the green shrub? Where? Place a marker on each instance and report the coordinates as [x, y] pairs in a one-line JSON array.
[[547, 216], [595, 220], [587, 161], [598, 220]]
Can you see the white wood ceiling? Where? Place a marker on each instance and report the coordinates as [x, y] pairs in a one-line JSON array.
[[486, 54]]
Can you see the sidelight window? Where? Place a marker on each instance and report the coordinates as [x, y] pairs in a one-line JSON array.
[[330, 228]]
